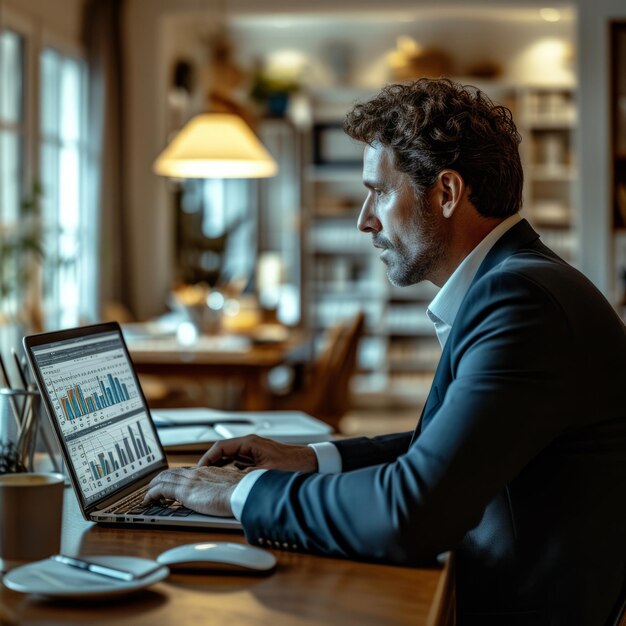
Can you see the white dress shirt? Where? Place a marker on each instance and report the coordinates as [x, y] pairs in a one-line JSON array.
[[441, 311], [445, 305]]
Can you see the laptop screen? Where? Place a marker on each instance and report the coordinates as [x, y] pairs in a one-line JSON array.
[[100, 411]]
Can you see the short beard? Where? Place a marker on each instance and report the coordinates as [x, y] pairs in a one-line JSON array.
[[412, 268]]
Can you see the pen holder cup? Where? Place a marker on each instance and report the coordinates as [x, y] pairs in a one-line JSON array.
[[19, 423]]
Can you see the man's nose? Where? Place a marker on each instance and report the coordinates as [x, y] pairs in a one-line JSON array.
[[368, 222]]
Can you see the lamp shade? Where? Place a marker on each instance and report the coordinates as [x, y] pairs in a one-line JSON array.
[[215, 145]]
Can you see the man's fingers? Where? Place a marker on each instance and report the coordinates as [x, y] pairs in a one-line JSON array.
[[230, 448], [168, 484], [223, 462], [161, 489], [212, 456], [154, 493], [168, 474], [203, 489]]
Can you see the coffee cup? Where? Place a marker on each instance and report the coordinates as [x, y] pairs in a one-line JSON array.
[[31, 509]]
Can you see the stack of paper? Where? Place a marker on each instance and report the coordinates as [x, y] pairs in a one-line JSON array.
[[194, 428]]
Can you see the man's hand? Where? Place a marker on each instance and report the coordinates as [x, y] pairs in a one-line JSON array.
[[255, 452], [202, 489]]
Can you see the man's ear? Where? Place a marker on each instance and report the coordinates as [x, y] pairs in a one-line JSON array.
[[451, 187]]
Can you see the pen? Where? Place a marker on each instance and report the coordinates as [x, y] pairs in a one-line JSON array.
[[5, 374], [20, 370], [102, 570], [7, 383]]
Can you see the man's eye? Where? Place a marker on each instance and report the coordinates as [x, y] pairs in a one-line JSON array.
[[377, 191]]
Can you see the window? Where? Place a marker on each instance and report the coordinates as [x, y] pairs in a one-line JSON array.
[[12, 118], [217, 232], [69, 241], [11, 124], [227, 209], [43, 92]]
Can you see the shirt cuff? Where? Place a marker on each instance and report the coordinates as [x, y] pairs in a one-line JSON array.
[[242, 491], [328, 457], [328, 462]]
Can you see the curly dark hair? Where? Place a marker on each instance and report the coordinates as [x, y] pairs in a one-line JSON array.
[[433, 124]]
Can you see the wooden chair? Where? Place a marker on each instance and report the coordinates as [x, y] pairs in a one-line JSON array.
[[326, 393]]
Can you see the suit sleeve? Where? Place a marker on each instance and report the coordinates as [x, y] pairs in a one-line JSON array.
[[513, 361], [361, 452]]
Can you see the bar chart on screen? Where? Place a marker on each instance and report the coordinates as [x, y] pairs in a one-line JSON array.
[[87, 393], [102, 456], [78, 402]]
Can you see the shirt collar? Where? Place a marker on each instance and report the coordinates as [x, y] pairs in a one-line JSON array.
[[445, 305]]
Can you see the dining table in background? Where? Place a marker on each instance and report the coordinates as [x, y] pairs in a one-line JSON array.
[[222, 357]]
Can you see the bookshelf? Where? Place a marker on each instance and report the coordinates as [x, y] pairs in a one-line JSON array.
[[547, 118]]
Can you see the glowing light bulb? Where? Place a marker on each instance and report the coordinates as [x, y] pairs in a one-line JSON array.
[[549, 14]]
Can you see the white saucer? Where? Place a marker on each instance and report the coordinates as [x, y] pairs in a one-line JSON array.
[[55, 580]]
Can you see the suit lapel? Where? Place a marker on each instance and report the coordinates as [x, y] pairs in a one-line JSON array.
[[519, 236], [436, 393]]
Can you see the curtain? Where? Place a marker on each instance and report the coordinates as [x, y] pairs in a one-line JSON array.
[[105, 180]]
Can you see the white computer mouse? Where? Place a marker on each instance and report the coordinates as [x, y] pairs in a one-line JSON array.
[[218, 555]]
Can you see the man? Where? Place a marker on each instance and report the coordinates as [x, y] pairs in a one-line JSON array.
[[518, 463]]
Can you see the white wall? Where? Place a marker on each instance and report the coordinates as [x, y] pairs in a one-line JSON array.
[[147, 199], [594, 145]]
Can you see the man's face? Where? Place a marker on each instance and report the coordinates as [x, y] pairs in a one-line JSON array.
[[407, 228]]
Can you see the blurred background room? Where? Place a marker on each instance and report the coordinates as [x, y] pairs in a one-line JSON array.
[[101, 218]]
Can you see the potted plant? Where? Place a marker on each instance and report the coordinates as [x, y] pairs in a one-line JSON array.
[[272, 90], [21, 257]]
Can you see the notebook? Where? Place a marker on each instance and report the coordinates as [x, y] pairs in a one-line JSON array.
[[104, 428]]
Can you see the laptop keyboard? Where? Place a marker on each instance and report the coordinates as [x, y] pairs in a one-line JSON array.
[[163, 508]]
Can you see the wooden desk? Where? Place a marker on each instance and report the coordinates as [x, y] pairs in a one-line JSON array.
[[210, 359], [304, 590]]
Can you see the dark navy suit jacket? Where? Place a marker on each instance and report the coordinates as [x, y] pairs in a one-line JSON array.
[[518, 463]]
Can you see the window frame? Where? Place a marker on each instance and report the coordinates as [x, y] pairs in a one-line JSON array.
[[26, 28], [36, 39], [85, 274]]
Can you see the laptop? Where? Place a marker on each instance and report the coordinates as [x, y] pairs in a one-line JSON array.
[[104, 428]]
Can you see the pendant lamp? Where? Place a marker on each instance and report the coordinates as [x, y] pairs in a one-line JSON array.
[[216, 145]]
